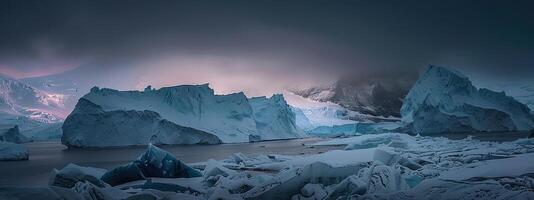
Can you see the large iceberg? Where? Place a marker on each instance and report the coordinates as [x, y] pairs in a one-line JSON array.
[[443, 100], [90, 126], [274, 118], [192, 111]]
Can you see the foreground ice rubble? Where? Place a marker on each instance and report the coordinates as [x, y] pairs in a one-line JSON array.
[[395, 166]]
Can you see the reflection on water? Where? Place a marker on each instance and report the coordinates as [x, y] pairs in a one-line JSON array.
[[45, 156]]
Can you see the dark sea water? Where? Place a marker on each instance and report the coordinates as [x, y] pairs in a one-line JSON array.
[[45, 156]]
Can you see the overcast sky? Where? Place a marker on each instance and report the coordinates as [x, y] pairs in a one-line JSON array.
[[261, 44]]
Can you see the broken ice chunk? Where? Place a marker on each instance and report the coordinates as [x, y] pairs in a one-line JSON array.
[[72, 173], [155, 162]]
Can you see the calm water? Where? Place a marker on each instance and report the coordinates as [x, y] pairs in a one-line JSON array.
[[45, 156]]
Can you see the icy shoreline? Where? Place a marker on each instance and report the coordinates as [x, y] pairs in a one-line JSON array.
[[383, 166]]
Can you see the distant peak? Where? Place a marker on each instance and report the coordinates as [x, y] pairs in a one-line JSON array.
[[443, 69]]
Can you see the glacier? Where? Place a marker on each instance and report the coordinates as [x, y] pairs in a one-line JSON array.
[[194, 111], [443, 100]]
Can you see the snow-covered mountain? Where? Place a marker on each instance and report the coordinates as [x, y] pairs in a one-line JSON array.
[[230, 117], [443, 100], [369, 96], [19, 98], [30, 108], [311, 114]]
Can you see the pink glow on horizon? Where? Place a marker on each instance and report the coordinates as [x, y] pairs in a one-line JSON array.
[[27, 73]]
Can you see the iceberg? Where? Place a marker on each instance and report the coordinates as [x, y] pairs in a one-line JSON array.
[[443, 100], [12, 151], [194, 112], [11, 133], [90, 126], [155, 162], [274, 118], [72, 174]]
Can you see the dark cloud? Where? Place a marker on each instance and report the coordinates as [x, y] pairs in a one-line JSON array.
[[344, 37]]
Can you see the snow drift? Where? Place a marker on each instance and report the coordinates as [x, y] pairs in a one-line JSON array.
[[443, 100]]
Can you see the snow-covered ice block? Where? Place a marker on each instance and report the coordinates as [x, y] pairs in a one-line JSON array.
[[214, 168], [334, 158], [509, 167], [155, 162], [352, 185], [288, 183], [311, 192], [12, 151], [72, 173], [374, 179]]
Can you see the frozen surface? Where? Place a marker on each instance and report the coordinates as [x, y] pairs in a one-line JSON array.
[[380, 166], [12, 151], [443, 100]]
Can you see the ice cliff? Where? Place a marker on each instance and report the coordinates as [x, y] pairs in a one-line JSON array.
[[274, 118], [443, 100], [90, 126]]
